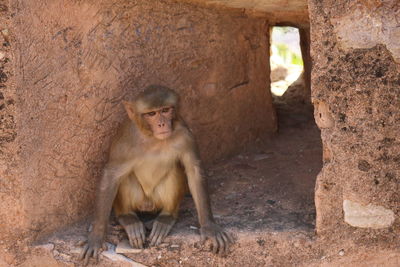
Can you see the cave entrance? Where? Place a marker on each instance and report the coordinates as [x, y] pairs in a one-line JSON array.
[[269, 186], [285, 60], [272, 183]]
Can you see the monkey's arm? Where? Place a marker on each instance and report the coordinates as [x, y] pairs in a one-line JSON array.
[[105, 196], [198, 189]]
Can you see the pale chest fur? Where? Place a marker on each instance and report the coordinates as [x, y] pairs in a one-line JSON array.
[[153, 165]]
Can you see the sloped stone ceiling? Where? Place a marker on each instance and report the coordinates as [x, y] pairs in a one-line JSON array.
[[265, 5], [293, 12]]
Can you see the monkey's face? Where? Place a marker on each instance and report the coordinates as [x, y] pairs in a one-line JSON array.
[[160, 122]]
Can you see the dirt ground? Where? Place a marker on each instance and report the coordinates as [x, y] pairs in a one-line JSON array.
[[264, 196]]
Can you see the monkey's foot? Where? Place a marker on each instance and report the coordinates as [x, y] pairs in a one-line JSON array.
[[161, 227], [134, 228]]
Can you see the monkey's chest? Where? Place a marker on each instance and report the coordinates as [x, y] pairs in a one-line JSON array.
[[153, 168]]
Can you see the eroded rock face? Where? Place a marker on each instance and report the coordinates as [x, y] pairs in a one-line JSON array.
[[75, 61], [369, 216], [277, 11], [323, 117], [364, 27], [356, 75]]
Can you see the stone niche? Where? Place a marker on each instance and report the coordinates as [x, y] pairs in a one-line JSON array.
[[66, 66]]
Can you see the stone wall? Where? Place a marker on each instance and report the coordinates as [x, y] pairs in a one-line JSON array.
[[72, 62], [355, 48]]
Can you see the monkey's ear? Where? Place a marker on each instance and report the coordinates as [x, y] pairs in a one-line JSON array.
[[130, 109]]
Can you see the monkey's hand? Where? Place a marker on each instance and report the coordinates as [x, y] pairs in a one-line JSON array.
[[92, 248], [134, 228], [161, 227], [221, 240], [136, 234]]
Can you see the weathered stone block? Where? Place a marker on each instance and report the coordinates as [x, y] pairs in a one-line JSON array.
[[369, 216]]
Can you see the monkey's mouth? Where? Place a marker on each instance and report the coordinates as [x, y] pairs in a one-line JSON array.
[[163, 135]]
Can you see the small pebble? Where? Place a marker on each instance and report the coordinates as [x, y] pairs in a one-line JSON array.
[[194, 227], [65, 256], [5, 32], [261, 157], [56, 253], [124, 247], [341, 252], [76, 250], [49, 246]]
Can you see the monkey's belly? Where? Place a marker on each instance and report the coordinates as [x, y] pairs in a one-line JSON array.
[[146, 205]]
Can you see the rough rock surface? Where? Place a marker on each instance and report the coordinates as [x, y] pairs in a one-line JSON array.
[[264, 197], [369, 216], [294, 12], [358, 88], [68, 65]]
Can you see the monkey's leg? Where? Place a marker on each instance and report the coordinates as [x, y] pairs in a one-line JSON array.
[[130, 194], [168, 194]]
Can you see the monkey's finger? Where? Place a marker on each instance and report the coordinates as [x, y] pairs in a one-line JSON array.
[[159, 237], [221, 245], [169, 229], [140, 242], [138, 236], [87, 257], [153, 230], [131, 240], [84, 251], [81, 243], [163, 234], [215, 245], [228, 241], [132, 236], [225, 238], [129, 234], [156, 234], [203, 238], [229, 236], [96, 254], [137, 242], [142, 233], [135, 239]]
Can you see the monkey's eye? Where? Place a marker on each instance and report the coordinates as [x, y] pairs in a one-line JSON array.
[[151, 114], [165, 110]]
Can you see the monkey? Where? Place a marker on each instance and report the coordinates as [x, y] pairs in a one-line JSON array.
[[153, 160]]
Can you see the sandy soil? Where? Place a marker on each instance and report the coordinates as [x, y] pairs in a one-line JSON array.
[[264, 196]]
